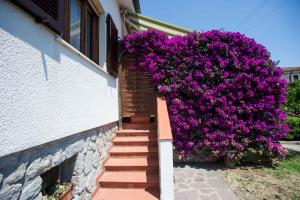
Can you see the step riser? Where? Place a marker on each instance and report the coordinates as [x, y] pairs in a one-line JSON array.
[[136, 134], [132, 154], [136, 143], [139, 126], [127, 185], [131, 168]]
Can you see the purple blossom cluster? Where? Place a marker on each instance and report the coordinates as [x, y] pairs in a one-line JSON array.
[[223, 91]]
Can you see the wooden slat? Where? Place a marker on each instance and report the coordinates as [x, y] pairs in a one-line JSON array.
[[138, 96]]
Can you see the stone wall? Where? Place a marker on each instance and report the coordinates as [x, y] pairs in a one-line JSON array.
[[84, 152]]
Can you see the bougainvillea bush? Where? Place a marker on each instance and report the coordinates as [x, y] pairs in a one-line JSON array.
[[223, 91]]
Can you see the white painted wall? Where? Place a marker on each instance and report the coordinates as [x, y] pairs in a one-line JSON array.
[[47, 91], [166, 178], [287, 76]]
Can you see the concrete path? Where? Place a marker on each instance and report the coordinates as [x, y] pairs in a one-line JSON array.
[[291, 145], [193, 182]]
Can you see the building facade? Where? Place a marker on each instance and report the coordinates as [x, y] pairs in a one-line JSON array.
[[291, 74], [59, 93]]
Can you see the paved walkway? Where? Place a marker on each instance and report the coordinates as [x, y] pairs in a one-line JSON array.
[[200, 183], [292, 145]]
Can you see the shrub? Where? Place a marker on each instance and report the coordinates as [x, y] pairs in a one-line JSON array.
[[293, 98], [294, 126], [223, 91]]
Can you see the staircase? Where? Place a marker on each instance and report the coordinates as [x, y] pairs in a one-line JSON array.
[[131, 169]]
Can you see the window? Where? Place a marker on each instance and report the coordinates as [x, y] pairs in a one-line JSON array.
[[295, 77], [75, 17], [112, 47], [50, 13], [82, 28]]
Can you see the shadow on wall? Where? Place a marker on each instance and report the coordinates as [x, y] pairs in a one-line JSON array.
[[44, 40]]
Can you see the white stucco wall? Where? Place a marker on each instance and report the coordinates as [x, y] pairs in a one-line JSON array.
[[47, 91], [287, 76]]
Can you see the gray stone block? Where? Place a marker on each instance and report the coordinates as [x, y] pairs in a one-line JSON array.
[[15, 176], [79, 183], [79, 164], [91, 182], [93, 146], [38, 166], [32, 190], [94, 138], [58, 158], [11, 192], [74, 149], [88, 162], [96, 159]]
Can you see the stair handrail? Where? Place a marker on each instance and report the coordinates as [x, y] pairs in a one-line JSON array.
[[165, 150], [163, 122]]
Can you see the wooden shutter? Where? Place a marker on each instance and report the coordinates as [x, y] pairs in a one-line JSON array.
[[112, 47], [48, 12]]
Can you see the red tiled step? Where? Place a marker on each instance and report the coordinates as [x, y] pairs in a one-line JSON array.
[[131, 164], [135, 140], [126, 194], [133, 151], [146, 126], [129, 179], [132, 132]]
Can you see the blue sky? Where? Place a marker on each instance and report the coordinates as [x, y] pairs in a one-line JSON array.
[[273, 23]]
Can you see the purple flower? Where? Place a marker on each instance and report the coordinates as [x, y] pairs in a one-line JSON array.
[[224, 93]]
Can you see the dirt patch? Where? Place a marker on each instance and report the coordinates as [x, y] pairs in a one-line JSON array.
[[250, 183]]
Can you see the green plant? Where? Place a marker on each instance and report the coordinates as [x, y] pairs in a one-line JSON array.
[[293, 99], [294, 126], [57, 191], [290, 165]]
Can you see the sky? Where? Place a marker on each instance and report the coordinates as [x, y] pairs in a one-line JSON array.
[[272, 23]]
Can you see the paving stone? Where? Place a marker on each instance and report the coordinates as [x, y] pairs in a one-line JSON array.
[[199, 179], [179, 180], [183, 186], [211, 175], [203, 197], [214, 196], [200, 183], [217, 183], [227, 195], [187, 195], [207, 190]]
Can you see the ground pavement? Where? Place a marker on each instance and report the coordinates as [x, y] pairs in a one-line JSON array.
[[200, 182], [291, 145]]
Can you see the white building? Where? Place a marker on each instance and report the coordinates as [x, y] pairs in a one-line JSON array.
[[58, 90], [61, 104], [291, 74]]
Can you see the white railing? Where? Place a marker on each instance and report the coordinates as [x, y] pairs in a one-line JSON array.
[[165, 151]]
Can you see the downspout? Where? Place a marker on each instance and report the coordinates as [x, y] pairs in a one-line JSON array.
[[290, 76]]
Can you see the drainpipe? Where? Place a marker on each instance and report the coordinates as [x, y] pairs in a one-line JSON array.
[[290, 76]]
